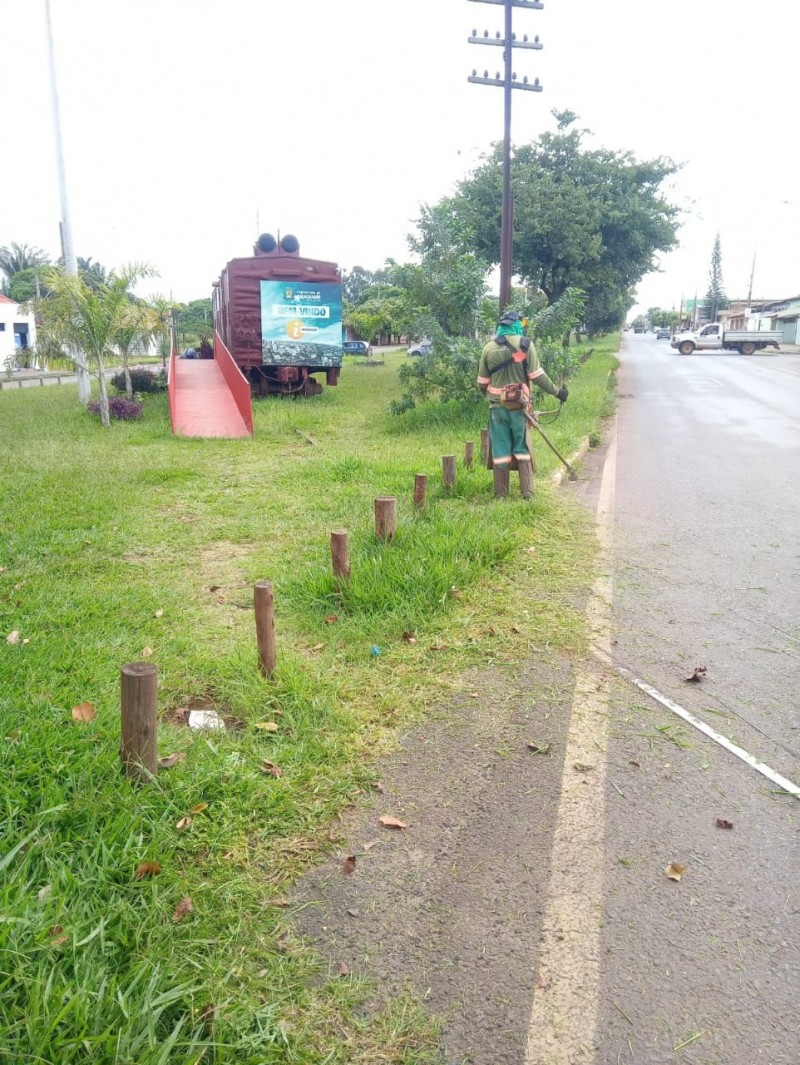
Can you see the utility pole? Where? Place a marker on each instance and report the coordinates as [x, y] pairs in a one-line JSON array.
[[509, 81], [752, 274], [67, 247]]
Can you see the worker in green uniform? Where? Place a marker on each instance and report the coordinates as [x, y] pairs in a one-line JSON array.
[[509, 367]]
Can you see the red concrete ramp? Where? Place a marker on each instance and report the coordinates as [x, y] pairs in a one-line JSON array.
[[207, 401]]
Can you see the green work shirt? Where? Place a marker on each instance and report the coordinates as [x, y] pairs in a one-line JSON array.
[[492, 380]]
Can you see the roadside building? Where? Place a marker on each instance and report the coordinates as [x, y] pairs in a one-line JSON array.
[[787, 319], [17, 333]]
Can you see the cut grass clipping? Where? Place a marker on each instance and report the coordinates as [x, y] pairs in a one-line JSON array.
[[130, 543]]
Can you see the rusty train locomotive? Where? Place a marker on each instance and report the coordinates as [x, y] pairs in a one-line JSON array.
[[280, 316]]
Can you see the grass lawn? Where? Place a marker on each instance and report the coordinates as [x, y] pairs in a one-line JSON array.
[[130, 543]]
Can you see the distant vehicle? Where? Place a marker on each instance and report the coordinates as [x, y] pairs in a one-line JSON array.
[[356, 347], [422, 347], [745, 341], [638, 329], [663, 334]]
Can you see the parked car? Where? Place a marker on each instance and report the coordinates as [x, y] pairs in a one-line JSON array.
[[357, 347], [422, 347], [663, 334], [638, 329]]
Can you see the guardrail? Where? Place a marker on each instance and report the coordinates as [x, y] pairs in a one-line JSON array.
[[17, 379], [236, 381]]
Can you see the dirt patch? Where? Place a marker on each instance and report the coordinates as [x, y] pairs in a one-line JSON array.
[[450, 907]]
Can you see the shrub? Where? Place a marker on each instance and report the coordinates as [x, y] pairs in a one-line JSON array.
[[448, 374], [126, 410], [141, 381]]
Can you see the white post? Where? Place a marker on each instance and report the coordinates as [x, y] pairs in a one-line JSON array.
[[67, 247]]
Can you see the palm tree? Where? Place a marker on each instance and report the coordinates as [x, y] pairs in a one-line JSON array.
[[92, 319], [94, 274], [16, 257], [140, 322]]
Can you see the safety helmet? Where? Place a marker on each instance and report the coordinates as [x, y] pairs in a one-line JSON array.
[[508, 318]]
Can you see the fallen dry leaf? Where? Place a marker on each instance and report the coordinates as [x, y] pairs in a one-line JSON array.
[[183, 907], [3, 569], [183, 824], [391, 822], [342, 969], [632, 761], [58, 936], [171, 760], [698, 674], [44, 892], [198, 809], [281, 902], [333, 835], [516, 630], [722, 823], [354, 911], [492, 630], [349, 865], [378, 786], [536, 749], [331, 619], [147, 652], [271, 768], [13, 637], [317, 647], [266, 726], [159, 614], [84, 712], [675, 870], [410, 637], [146, 869], [542, 982], [582, 768], [369, 846], [214, 588]]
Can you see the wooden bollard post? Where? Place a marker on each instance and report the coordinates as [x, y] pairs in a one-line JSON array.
[[385, 517], [138, 700], [449, 470], [340, 555], [469, 451], [265, 626], [420, 488], [484, 446]]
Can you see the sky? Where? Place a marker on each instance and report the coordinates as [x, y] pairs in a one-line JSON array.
[[190, 126]]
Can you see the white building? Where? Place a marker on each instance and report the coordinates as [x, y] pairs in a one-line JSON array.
[[17, 332]]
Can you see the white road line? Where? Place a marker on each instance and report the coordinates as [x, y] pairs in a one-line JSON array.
[[701, 726], [564, 1011]]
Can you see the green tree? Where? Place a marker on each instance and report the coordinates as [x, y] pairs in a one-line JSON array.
[[22, 286], [17, 257], [592, 219], [91, 319], [715, 300], [196, 316], [451, 278]]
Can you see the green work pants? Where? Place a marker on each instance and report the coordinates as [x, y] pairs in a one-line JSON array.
[[507, 433]]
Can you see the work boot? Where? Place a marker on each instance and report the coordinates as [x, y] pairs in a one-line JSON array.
[[500, 483], [526, 480]]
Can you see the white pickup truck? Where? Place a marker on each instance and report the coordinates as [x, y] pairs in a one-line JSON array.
[[745, 341]]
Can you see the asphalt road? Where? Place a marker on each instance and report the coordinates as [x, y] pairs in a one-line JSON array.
[[706, 572], [707, 518]]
